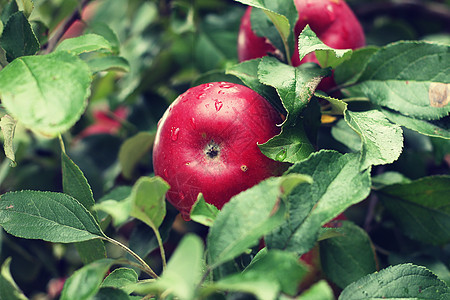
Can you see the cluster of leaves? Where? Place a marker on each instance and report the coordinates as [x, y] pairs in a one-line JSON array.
[[346, 152]]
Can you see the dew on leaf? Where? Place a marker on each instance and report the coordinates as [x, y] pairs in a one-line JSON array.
[[281, 156]]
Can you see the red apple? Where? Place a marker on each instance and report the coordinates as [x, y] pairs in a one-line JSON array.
[[207, 141], [105, 122], [332, 20]]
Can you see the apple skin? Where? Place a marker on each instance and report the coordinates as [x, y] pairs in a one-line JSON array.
[[332, 20], [207, 141]]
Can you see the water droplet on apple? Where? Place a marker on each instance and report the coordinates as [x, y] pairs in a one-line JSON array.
[[193, 123], [226, 85], [166, 173], [330, 12], [218, 104], [201, 96], [182, 196], [281, 156], [174, 133]]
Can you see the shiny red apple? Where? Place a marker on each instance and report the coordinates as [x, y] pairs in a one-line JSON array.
[[207, 141]]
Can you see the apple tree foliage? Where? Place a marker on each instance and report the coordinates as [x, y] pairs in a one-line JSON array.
[[86, 210]]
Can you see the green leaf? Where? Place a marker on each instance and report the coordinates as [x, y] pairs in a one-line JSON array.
[[117, 204], [8, 126], [295, 86], [328, 57], [47, 93], [8, 288], [343, 133], [291, 145], [26, 6], [350, 70], [245, 219], [320, 290], [76, 185], [437, 128], [85, 43], [406, 281], [108, 293], [381, 141], [148, 200], [337, 184], [108, 63], [133, 150], [247, 71], [409, 77], [8, 10], [183, 272], [85, 282], [421, 208], [271, 274], [203, 212], [52, 217], [18, 38], [121, 278], [388, 178], [354, 248]]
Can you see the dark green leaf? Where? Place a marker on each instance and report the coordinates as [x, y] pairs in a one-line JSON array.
[[337, 184], [53, 217], [405, 281], [343, 133], [108, 293], [85, 282], [47, 93], [18, 38], [8, 10], [117, 204], [76, 185], [133, 150], [349, 256], [328, 57], [8, 288], [421, 208], [203, 212]]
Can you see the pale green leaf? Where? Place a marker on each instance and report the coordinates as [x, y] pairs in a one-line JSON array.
[[47, 93], [148, 200], [8, 127], [381, 140], [133, 150], [203, 212], [308, 42], [84, 43]]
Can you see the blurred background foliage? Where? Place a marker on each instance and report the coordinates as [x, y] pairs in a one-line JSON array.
[[170, 45]]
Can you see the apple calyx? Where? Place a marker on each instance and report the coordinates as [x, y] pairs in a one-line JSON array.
[[212, 150]]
